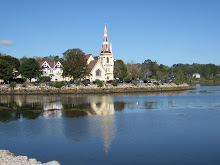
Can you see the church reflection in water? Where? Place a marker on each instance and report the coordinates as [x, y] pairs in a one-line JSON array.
[[104, 107], [31, 107]]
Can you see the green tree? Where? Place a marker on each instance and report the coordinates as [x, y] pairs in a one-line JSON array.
[[149, 68], [23, 59], [6, 70], [14, 62], [120, 69], [30, 68], [74, 63], [134, 70], [9, 67], [51, 58], [13, 84]]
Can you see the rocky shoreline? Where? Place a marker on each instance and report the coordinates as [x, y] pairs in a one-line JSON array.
[[8, 158], [92, 89]]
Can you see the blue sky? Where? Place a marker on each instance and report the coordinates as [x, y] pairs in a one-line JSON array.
[[166, 31]]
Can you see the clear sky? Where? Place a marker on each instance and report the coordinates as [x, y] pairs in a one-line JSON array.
[[166, 31]]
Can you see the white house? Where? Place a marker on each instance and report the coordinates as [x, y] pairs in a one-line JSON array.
[[53, 70], [196, 75]]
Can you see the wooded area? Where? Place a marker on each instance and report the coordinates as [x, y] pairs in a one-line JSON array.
[[10, 67]]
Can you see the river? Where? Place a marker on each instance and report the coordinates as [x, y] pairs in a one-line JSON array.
[[145, 128]]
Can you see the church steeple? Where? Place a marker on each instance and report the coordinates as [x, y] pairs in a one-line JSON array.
[[105, 45], [106, 57]]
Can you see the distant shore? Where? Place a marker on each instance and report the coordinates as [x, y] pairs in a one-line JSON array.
[[205, 83], [93, 89]]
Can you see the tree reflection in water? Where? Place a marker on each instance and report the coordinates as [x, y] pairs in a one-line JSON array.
[[119, 105], [14, 107], [150, 105]]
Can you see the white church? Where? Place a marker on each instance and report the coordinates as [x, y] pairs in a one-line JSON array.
[[101, 68]]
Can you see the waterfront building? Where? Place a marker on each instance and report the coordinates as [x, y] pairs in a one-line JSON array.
[[196, 75], [101, 68], [106, 57], [53, 70]]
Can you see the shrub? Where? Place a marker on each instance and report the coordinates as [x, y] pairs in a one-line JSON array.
[[44, 78], [57, 84], [78, 82], [85, 83], [156, 83], [115, 83], [134, 82], [100, 83], [177, 82], [13, 84]]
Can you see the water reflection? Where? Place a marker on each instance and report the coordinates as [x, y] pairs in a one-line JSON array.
[[108, 130], [13, 107]]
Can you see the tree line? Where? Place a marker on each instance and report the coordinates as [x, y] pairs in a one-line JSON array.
[[152, 70], [73, 62], [75, 66]]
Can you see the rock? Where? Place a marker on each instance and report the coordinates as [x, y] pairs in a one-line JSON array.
[[8, 158], [52, 163]]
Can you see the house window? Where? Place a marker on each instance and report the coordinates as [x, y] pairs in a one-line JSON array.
[[98, 73], [107, 60]]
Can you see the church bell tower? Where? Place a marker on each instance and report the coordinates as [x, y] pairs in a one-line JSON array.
[[106, 57]]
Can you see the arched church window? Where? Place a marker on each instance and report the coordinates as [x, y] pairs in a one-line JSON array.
[[98, 72], [107, 60]]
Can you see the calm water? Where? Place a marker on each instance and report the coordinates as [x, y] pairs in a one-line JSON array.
[[169, 128]]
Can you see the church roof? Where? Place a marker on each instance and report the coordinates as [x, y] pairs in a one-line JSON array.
[[91, 65], [87, 56]]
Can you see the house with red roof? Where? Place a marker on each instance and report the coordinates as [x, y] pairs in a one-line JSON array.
[[53, 70]]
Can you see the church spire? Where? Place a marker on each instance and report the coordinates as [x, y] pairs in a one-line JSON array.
[[105, 46]]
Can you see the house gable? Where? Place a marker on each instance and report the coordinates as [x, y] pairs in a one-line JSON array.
[[58, 65], [45, 65]]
